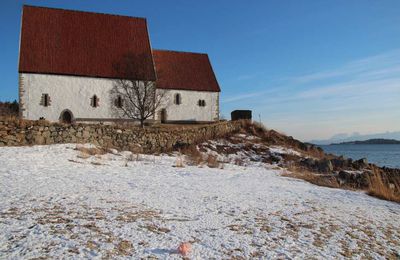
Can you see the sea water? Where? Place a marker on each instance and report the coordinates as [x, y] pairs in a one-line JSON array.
[[380, 154]]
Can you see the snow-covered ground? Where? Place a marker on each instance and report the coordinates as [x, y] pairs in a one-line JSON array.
[[57, 203]]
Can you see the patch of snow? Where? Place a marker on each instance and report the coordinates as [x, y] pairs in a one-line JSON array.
[[283, 150], [246, 137], [54, 204]]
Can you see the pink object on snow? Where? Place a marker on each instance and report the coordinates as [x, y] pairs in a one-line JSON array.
[[184, 248]]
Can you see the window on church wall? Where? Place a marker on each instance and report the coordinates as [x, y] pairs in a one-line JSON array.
[[201, 103], [45, 100], [119, 102], [177, 100], [94, 102]]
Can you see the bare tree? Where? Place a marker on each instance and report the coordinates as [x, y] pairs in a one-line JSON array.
[[131, 97]]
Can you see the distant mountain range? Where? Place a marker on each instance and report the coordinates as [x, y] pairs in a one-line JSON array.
[[371, 141], [340, 138]]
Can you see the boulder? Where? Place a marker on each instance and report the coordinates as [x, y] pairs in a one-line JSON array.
[[339, 162], [325, 166], [354, 179], [361, 164], [85, 134], [39, 139], [308, 162]]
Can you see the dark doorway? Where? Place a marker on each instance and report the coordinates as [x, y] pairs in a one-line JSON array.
[[66, 117], [163, 115]]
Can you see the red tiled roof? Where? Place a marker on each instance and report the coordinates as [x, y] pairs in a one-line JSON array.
[[57, 41], [184, 70]]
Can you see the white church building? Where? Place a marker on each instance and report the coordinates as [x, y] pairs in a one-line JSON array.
[[66, 68]]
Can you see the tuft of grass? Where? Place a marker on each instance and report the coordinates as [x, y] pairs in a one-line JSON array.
[[179, 162], [314, 178], [380, 189], [212, 161], [193, 155], [124, 248], [254, 128], [90, 150]]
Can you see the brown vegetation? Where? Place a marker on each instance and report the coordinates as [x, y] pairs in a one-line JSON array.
[[212, 161], [195, 157], [314, 178], [9, 109], [380, 189], [90, 151], [272, 137], [377, 186]]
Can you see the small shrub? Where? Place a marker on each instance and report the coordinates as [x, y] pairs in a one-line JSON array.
[[193, 155], [212, 161]]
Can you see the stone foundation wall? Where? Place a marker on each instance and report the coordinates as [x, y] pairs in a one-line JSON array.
[[148, 140]]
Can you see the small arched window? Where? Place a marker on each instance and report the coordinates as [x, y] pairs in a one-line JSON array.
[[94, 101], [178, 100], [45, 101], [119, 102], [201, 103]]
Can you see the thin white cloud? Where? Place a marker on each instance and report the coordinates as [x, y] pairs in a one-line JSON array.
[[362, 95], [353, 68], [246, 77], [244, 96], [351, 78]]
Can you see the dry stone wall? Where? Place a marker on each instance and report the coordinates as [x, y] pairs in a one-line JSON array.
[[148, 140]]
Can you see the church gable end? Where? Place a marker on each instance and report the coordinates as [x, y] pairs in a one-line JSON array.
[[184, 70]]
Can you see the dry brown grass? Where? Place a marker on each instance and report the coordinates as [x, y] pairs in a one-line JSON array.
[[377, 186], [380, 189], [124, 248], [156, 229], [253, 127], [212, 161], [193, 155], [89, 151], [314, 178]]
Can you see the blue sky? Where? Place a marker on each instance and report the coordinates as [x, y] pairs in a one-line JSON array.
[[311, 69]]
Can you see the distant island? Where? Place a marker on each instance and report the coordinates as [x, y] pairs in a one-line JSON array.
[[371, 141]]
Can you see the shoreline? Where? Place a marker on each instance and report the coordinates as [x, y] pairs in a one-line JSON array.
[[380, 157]]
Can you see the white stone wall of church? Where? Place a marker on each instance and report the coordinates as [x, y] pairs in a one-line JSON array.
[[189, 110], [75, 93], [66, 92]]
